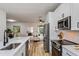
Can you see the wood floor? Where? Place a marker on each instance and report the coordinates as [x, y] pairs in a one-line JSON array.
[[36, 49]]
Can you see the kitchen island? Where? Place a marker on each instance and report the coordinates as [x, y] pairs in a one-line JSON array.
[[18, 51]]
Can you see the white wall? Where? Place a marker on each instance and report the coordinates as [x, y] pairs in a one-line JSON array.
[[2, 24], [24, 27]]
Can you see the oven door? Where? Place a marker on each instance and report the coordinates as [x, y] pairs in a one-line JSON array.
[[67, 23], [56, 49], [60, 24]]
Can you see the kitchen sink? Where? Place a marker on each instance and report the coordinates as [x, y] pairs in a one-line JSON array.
[[11, 46]]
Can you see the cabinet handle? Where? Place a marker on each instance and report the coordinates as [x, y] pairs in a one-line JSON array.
[[62, 15]]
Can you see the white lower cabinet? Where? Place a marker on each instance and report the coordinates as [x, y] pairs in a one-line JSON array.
[[66, 52], [21, 51]]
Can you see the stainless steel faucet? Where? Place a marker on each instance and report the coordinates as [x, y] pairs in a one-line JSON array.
[[5, 37]]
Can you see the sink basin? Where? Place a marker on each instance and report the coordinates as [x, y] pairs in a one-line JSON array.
[[11, 46]]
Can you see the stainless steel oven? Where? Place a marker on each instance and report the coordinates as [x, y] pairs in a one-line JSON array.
[[57, 46], [65, 24]]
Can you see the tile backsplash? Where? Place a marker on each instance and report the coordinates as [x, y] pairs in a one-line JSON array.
[[71, 35]]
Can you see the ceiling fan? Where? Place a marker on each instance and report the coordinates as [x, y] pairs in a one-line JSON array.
[[41, 20]]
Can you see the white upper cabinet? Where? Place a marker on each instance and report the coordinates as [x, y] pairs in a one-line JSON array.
[[63, 11], [75, 16], [68, 9]]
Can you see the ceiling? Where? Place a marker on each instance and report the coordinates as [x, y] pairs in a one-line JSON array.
[[27, 12]]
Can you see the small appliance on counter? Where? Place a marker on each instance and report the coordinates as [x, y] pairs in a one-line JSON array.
[[61, 35]]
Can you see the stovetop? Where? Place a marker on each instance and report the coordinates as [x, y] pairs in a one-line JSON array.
[[64, 42], [57, 44]]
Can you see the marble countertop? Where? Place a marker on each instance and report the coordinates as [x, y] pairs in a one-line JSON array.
[[72, 49], [12, 52]]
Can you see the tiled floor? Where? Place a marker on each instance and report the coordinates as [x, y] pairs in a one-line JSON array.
[[36, 49]]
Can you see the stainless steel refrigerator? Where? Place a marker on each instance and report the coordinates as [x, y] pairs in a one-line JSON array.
[[46, 37]]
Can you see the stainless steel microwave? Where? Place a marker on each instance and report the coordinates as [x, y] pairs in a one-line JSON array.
[[65, 23]]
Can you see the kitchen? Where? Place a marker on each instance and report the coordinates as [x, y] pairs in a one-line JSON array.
[[56, 25], [66, 29]]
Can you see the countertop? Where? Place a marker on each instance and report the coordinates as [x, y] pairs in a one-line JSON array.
[[72, 49], [12, 52]]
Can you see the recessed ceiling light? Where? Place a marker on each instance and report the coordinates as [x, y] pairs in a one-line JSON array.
[[11, 20]]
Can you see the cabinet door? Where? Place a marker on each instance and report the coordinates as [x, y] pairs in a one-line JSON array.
[[63, 11], [57, 14], [21, 51], [57, 17], [75, 16]]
